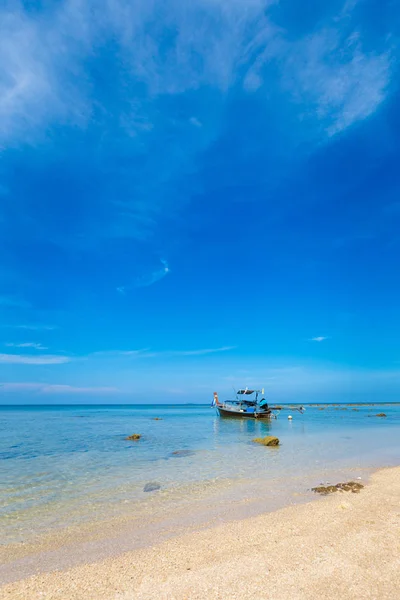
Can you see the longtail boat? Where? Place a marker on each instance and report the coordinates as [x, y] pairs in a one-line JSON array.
[[248, 406]]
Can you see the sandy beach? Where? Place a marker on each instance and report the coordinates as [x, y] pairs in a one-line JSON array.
[[344, 546]]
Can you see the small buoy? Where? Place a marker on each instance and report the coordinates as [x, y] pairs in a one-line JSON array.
[[290, 417]]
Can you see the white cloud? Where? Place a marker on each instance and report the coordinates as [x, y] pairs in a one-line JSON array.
[[318, 339], [27, 345], [50, 388], [25, 359]]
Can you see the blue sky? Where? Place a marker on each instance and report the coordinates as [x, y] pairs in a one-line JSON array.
[[196, 196]]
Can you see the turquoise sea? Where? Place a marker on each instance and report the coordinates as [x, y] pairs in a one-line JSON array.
[[63, 465]]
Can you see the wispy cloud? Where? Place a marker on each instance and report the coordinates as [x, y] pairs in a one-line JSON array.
[[69, 389], [50, 388], [43, 58], [143, 151], [35, 327], [117, 353], [148, 353], [154, 276], [54, 78], [34, 345], [329, 75], [30, 89], [196, 122], [13, 302], [29, 359], [341, 82], [320, 338], [147, 279], [52, 74], [200, 352]]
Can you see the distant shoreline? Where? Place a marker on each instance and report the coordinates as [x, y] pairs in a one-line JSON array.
[[352, 554], [195, 404]]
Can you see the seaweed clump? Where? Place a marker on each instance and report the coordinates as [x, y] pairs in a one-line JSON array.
[[350, 486]]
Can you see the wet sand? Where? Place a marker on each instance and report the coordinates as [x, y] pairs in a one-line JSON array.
[[343, 546]]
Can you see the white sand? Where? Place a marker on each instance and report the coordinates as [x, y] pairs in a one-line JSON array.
[[345, 546]]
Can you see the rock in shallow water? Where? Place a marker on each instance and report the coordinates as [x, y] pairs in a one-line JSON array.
[[134, 436], [269, 440], [152, 486], [378, 415], [182, 453]]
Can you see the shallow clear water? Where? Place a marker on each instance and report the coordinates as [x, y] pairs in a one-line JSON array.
[[62, 465]]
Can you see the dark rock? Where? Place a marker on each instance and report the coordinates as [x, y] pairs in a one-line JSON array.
[[378, 415], [269, 440], [182, 453], [350, 486], [156, 419], [134, 436], [152, 486]]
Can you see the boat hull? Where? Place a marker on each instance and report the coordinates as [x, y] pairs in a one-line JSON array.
[[237, 414]]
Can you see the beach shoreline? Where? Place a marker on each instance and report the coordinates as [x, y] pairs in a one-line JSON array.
[[167, 514], [346, 545]]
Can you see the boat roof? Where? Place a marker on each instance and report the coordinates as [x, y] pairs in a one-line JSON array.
[[247, 392]]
